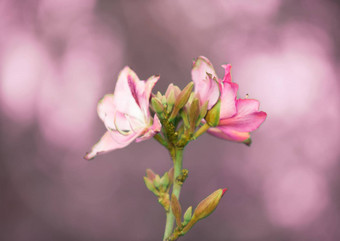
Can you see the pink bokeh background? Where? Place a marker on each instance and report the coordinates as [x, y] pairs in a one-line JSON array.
[[58, 58]]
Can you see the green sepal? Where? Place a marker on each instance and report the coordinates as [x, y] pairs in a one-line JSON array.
[[213, 115], [248, 141]]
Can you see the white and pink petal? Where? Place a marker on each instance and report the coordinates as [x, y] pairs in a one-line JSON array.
[[109, 142]]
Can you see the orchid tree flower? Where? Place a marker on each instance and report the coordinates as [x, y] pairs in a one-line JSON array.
[[205, 80], [126, 113], [238, 117]]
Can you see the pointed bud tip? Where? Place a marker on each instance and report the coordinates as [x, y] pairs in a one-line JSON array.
[[224, 190], [87, 157], [248, 141]]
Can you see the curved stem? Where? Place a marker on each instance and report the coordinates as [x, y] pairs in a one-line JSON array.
[[176, 190]]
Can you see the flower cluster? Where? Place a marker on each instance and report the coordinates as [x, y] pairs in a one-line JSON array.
[[206, 104]]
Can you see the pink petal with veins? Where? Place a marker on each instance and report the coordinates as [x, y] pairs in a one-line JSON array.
[[126, 113], [125, 95]]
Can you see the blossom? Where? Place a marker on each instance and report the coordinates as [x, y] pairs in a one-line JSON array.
[[126, 113], [205, 80], [238, 117]]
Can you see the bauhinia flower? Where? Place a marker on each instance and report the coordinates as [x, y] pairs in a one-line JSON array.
[[126, 113], [238, 117]]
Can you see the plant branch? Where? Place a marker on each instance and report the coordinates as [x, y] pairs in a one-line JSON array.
[[176, 189]]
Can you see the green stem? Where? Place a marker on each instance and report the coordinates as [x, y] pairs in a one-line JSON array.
[[201, 130], [159, 138], [176, 189]]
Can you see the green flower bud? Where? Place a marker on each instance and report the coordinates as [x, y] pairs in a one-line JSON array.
[[181, 100], [208, 205], [149, 184], [157, 181], [194, 113], [165, 181], [150, 174], [204, 109], [157, 105], [213, 115], [170, 100], [187, 216], [204, 208]]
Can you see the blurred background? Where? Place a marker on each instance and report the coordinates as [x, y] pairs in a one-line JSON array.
[[58, 58]]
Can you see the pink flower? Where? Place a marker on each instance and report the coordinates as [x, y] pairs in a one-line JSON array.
[[238, 117], [205, 80], [126, 113]]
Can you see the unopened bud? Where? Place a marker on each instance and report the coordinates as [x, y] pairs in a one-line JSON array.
[[165, 181], [205, 208], [194, 114], [181, 100], [173, 88], [150, 174], [149, 184], [157, 181], [187, 216], [203, 110], [208, 205], [170, 100], [157, 105], [176, 209], [213, 115]]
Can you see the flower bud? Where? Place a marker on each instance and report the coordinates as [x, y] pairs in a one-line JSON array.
[[149, 184], [157, 181], [157, 105], [213, 115], [150, 174], [181, 100], [203, 110], [173, 88], [204, 208], [208, 205], [170, 100], [187, 216], [194, 113], [176, 209], [165, 181]]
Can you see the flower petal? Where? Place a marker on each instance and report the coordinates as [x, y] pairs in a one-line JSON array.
[[247, 119], [152, 130], [110, 141], [227, 73], [227, 133], [228, 99], [125, 95], [144, 92], [205, 80]]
